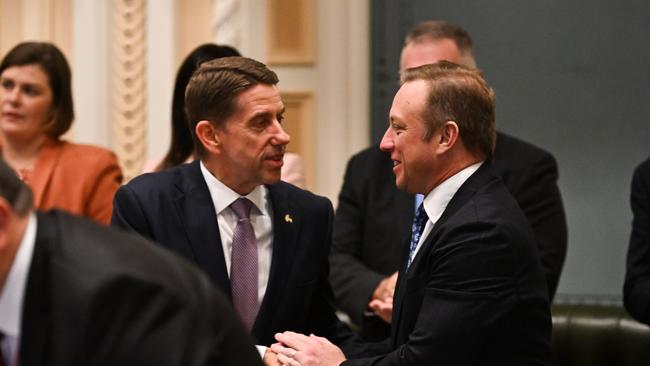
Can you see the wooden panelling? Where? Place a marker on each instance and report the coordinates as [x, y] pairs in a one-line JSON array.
[[290, 32], [299, 124], [193, 26]]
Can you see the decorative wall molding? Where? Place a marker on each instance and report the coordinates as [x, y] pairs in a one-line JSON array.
[[226, 26], [129, 84], [299, 124], [291, 32]]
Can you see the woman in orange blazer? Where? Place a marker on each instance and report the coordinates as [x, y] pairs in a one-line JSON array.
[[35, 110]]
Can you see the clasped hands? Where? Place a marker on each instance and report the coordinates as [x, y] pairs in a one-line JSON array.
[[382, 299], [296, 349]]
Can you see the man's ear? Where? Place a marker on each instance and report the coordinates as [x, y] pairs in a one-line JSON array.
[[207, 134], [449, 133]]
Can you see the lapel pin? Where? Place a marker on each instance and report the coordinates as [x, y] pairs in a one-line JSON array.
[[288, 218]]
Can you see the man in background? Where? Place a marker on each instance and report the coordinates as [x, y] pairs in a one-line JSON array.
[[75, 293], [373, 218]]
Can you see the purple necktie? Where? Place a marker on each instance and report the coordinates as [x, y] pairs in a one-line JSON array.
[[243, 266]]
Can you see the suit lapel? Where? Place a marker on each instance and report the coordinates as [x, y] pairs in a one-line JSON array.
[[466, 191], [197, 214], [286, 226], [36, 322]]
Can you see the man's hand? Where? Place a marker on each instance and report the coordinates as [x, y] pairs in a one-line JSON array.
[[382, 308], [271, 358], [386, 288], [298, 349]]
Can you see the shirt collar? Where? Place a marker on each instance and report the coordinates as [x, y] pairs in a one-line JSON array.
[[227, 196], [11, 298], [437, 200]]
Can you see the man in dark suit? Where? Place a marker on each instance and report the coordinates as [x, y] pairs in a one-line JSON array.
[[470, 289], [636, 292], [235, 112], [373, 216], [75, 293]]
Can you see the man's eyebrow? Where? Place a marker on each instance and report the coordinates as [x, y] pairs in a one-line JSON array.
[[266, 114]]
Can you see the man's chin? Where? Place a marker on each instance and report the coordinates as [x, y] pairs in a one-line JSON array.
[[272, 178]]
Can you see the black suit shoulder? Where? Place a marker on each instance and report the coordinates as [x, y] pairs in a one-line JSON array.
[[531, 174], [636, 291], [100, 294], [518, 154]]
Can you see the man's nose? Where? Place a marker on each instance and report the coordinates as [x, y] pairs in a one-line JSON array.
[[280, 137], [387, 144]]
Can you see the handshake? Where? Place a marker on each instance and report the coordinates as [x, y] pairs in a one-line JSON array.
[[296, 349]]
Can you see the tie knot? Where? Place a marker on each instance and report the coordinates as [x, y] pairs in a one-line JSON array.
[[242, 207]]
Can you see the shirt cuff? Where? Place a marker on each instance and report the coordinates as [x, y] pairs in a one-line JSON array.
[[261, 350]]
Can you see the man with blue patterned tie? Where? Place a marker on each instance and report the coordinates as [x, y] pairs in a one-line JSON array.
[[470, 289]]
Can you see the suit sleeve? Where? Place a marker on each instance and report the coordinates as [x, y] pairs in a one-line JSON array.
[[149, 325], [107, 180], [353, 282], [128, 213], [539, 197], [636, 291]]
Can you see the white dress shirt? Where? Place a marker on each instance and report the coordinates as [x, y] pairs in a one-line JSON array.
[[437, 200], [261, 218], [13, 292]]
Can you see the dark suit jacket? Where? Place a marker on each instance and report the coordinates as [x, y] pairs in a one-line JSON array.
[[636, 292], [98, 296], [475, 293], [373, 219], [174, 208]]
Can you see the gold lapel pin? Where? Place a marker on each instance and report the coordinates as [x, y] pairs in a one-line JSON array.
[[288, 218]]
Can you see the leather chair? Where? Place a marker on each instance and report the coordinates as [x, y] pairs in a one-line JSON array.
[[598, 335]]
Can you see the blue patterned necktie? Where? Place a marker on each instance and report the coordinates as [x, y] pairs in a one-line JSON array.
[[419, 221], [243, 266]]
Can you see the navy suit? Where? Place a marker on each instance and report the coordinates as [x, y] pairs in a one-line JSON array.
[[475, 293], [174, 209]]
